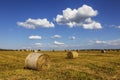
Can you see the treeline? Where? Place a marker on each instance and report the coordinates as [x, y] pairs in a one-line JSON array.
[[100, 49], [18, 50], [61, 50], [6, 50]]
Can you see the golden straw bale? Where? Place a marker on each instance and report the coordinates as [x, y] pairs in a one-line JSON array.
[[72, 54], [37, 61], [103, 51]]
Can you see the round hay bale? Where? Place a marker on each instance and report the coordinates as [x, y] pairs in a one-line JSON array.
[[117, 50], [103, 51], [37, 61], [77, 50], [72, 54], [35, 51], [53, 50]]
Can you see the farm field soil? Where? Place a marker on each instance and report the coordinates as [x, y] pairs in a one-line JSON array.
[[90, 65]]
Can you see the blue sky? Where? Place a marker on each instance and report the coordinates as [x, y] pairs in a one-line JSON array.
[[56, 24]]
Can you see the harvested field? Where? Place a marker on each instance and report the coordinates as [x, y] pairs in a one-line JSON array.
[[90, 65]]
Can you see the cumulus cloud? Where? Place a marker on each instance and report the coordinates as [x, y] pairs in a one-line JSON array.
[[35, 37], [35, 23], [79, 17], [72, 37], [90, 24], [58, 43], [56, 36]]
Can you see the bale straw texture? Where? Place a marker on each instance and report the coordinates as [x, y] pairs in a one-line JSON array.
[[72, 54], [37, 61]]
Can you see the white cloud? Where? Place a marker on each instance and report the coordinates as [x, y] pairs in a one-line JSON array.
[[100, 42], [118, 27], [35, 23], [72, 37], [90, 24], [35, 37], [114, 42], [58, 43], [56, 36], [79, 17], [114, 26], [109, 42], [23, 47], [38, 44]]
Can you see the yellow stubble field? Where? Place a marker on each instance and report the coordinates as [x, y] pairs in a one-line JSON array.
[[90, 65]]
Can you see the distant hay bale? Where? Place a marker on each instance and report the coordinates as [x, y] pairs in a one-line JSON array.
[[103, 51], [117, 50], [53, 50], [35, 51], [72, 54], [65, 50], [37, 61], [77, 50]]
